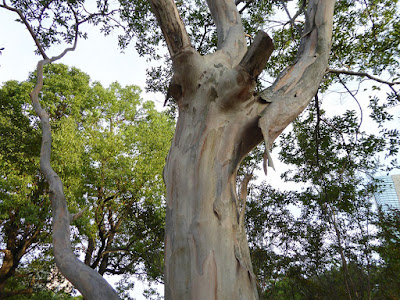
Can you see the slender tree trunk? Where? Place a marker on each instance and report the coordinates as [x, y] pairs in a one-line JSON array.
[[89, 282]]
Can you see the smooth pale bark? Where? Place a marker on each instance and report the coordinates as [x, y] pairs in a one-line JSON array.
[[220, 121]]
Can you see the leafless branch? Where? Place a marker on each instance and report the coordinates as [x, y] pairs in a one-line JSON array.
[[244, 6], [171, 24], [79, 214], [354, 97], [230, 32], [293, 19], [362, 74]]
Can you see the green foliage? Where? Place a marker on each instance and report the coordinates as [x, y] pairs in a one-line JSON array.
[[388, 275]]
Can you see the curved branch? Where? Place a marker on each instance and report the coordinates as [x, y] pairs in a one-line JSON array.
[[90, 283], [28, 26], [362, 74], [355, 99], [297, 85]]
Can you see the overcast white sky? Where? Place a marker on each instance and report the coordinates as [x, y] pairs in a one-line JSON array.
[[98, 56]]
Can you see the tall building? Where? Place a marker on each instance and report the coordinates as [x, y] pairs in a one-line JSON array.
[[388, 195]]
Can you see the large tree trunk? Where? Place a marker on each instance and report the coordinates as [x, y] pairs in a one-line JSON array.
[[206, 251], [220, 120]]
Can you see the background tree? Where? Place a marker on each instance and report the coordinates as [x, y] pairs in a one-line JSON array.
[[320, 241], [109, 146]]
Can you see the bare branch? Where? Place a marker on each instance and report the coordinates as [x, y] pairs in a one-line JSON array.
[[79, 214], [293, 19], [171, 25], [231, 37], [244, 6], [354, 97], [362, 74]]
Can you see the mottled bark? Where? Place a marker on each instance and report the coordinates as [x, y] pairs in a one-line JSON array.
[[220, 121]]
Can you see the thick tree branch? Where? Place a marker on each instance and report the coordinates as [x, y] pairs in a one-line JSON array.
[[231, 37], [296, 86], [171, 25], [362, 74], [258, 54]]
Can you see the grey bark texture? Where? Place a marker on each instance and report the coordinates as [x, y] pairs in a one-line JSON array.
[[220, 120]]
